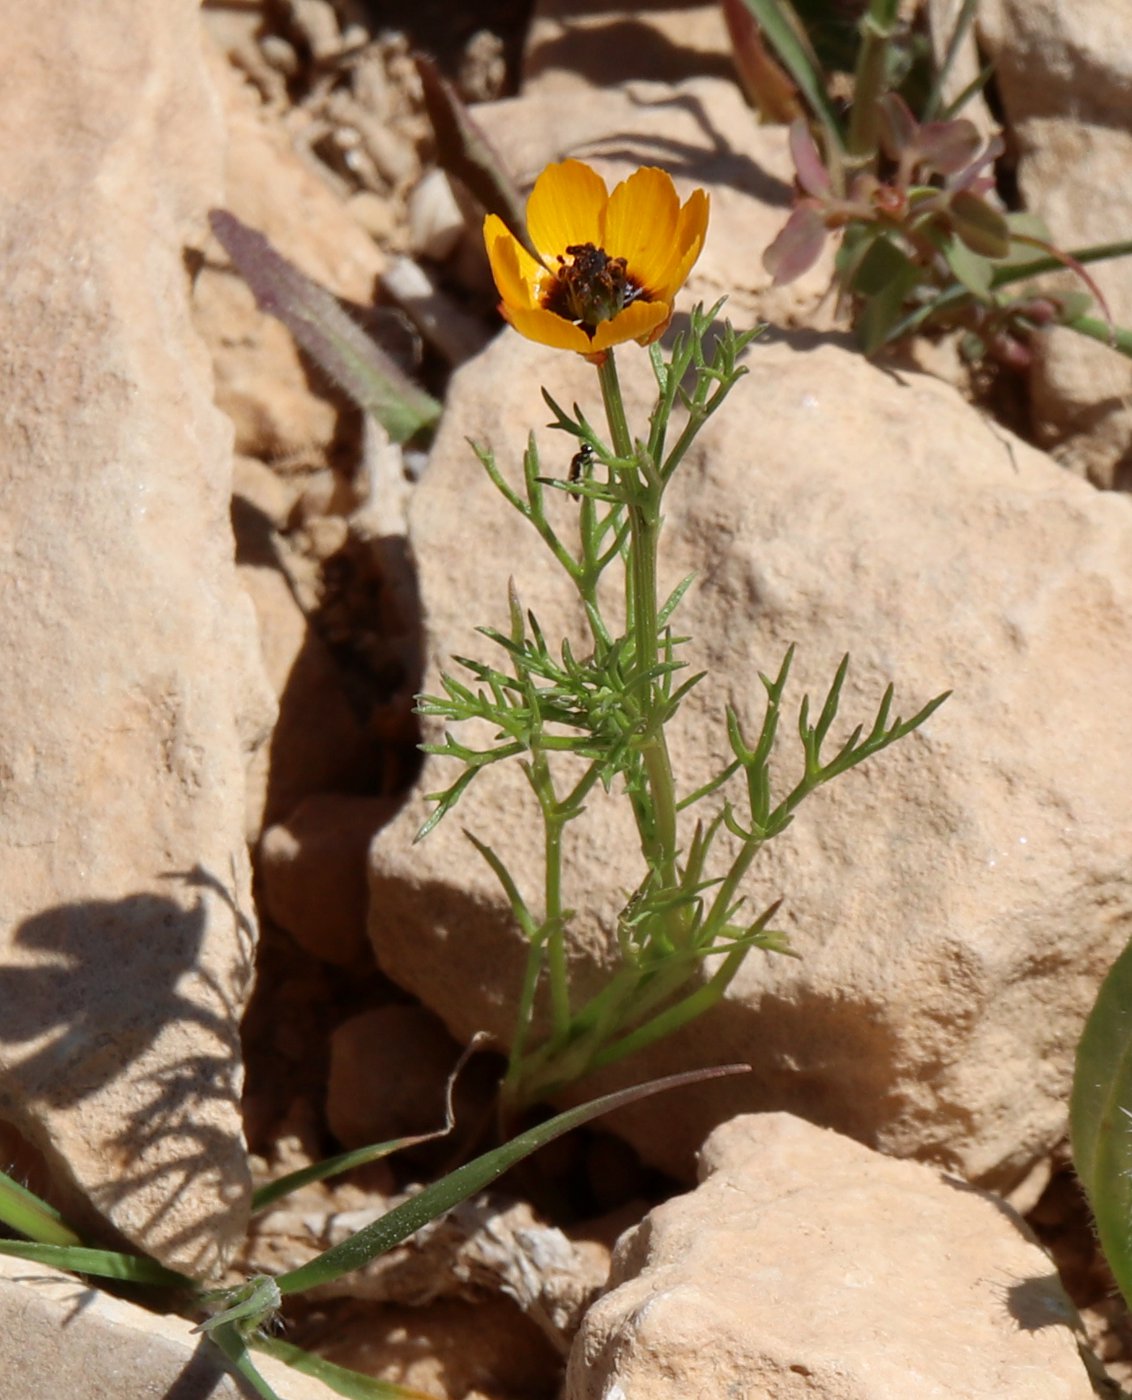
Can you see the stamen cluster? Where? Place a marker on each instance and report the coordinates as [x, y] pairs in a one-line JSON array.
[[592, 288]]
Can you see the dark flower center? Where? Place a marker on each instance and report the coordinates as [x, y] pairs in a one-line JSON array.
[[591, 289]]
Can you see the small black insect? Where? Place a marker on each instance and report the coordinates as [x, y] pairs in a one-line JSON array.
[[581, 462]]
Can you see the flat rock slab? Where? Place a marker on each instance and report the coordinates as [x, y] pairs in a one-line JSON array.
[[805, 1267], [59, 1336], [132, 692]]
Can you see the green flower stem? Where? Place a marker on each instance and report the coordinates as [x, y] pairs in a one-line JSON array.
[[1115, 337], [877, 29], [1095, 252], [554, 819], [694, 1004], [658, 829], [614, 407]]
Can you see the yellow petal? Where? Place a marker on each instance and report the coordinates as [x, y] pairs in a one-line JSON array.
[[565, 208], [640, 224], [687, 245], [547, 328], [518, 276], [642, 321]]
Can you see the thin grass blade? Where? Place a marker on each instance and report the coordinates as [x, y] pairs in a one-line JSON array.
[[405, 1219], [230, 1341], [362, 1156], [340, 1379], [21, 1210], [98, 1263], [798, 59]]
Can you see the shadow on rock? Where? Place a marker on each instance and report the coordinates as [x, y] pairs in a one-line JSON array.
[[120, 1045]]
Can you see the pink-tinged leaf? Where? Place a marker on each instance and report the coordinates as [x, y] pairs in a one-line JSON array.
[[812, 174], [982, 228], [973, 178], [899, 129], [948, 147], [335, 341], [797, 247]]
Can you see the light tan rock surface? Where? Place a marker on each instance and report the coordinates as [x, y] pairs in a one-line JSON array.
[[955, 901], [1063, 74], [574, 47], [314, 873], [112, 1348], [262, 382], [804, 1265], [290, 416], [132, 693]]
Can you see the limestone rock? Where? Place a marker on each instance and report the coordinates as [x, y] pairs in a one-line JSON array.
[[806, 1266], [314, 873], [60, 1336], [132, 693], [1063, 73], [389, 1067], [957, 899], [572, 46], [262, 381]]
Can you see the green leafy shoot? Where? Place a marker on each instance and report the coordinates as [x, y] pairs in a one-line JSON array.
[[923, 244], [246, 1305], [605, 705], [239, 1314]]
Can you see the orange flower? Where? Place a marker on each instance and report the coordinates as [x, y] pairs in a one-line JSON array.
[[609, 265]]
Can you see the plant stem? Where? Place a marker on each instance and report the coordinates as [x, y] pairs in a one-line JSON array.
[[658, 831], [877, 29], [556, 943], [1096, 252], [1115, 337], [614, 407]]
